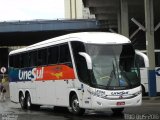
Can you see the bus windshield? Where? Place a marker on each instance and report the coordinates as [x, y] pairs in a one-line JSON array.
[[114, 66]]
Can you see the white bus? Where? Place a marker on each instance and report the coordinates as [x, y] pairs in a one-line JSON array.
[[144, 64], [88, 70]]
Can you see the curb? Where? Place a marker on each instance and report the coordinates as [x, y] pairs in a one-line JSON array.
[[151, 98]]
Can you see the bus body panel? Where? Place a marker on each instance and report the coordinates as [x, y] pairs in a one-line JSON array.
[[54, 88], [114, 97], [14, 91], [45, 92], [99, 103], [62, 89], [144, 69], [158, 78], [144, 79], [86, 96]]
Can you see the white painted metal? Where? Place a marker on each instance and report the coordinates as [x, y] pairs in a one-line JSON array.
[[144, 70], [56, 92]]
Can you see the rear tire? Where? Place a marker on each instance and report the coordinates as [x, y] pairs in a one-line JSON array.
[[22, 101], [75, 109], [29, 104]]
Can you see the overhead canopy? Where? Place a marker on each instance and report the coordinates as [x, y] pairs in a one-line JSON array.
[[107, 10], [21, 33]]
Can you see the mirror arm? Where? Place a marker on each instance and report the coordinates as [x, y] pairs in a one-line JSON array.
[[88, 59]]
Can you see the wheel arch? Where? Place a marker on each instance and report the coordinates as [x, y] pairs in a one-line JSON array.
[[75, 109], [27, 92], [71, 95], [143, 89], [21, 92]]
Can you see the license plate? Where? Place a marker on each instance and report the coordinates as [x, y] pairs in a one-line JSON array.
[[120, 103]]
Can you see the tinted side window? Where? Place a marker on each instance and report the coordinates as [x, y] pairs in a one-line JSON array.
[[42, 57], [65, 56], [157, 59], [11, 61], [80, 61], [24, 60], [53, 55], [33, 58], [17, 61], [140, 61]]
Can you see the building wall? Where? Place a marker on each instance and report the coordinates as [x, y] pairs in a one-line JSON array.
[[74, 9]]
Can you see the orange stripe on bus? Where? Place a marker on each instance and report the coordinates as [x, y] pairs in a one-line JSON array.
[[57, 72]]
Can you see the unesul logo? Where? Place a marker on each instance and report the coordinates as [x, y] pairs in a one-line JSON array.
[[33, 74], [120, 93]]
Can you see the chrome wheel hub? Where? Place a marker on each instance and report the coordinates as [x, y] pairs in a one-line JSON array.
[[75, 105]]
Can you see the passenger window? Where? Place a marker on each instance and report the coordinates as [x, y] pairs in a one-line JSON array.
[[33, 58], [24, 60], [65, 56], [157, 59], [16, 61], [42, 57], [11, 63], [53, 55]]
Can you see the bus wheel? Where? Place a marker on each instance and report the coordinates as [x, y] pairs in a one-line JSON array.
[[29, 105], [22, 101], [76, 110], [28, 102], [117, 110]]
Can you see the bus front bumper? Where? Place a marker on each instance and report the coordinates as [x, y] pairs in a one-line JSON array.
[[101, 103]]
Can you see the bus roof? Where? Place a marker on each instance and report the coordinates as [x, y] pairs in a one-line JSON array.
[[86, 37]]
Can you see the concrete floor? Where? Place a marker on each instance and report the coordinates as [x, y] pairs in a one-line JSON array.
[[150, 110]]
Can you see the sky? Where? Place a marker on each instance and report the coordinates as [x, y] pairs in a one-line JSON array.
[[31, 9]]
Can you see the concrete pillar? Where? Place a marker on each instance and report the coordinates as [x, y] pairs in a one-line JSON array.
[[149, 23], [67, 6], [73, 9], [119, 21], [124, 18]]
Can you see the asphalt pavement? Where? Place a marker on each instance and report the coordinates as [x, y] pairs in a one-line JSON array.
[[149, 110]]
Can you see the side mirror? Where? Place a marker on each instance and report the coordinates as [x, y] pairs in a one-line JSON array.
[[144, 56], [87, 58]]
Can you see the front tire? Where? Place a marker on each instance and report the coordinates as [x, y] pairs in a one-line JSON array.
[[75, 109]]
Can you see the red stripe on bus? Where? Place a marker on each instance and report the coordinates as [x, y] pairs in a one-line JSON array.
[[57, 72]]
